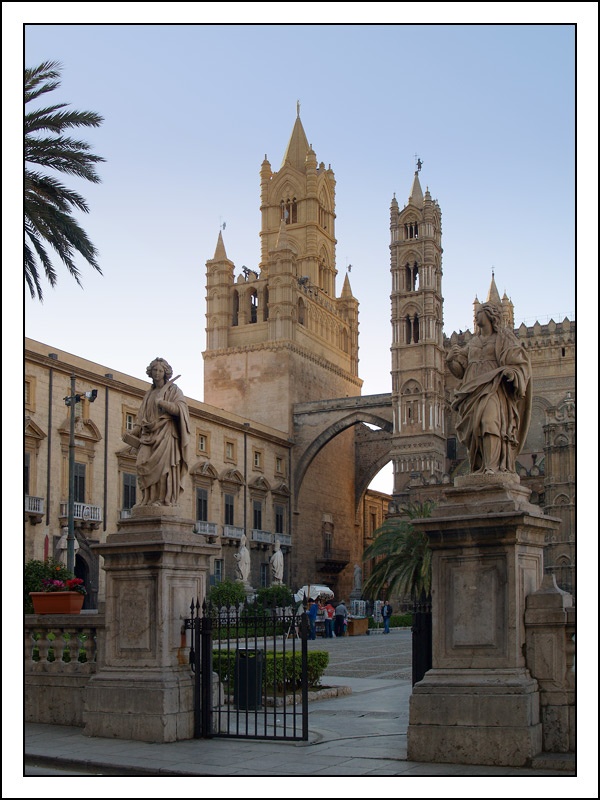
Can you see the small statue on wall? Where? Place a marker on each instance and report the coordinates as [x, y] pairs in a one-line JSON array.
[[277, 564], [242, 570], [493, 402]]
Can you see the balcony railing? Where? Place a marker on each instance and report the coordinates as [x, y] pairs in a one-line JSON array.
[[261, 536], [34, 505], [83, 512], [124, 513], [232, 532], [284, 538], [206, 528]]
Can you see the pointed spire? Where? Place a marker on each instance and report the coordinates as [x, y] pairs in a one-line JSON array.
[[416, 193], [297, 147], [346, 290], [220, 254], [493, 294]]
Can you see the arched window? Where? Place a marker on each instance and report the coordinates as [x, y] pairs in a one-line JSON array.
[[289, 210], [412, 277], [265, 304], [236, 308], [411, 230], [253, 306], [301, 312]]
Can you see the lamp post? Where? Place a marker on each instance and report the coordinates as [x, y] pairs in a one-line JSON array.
[[71, 401]]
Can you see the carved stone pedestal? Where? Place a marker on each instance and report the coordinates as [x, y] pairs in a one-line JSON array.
[[479, 704], [155, 565]]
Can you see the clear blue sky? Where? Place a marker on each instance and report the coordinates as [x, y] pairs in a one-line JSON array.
[[191, 110]]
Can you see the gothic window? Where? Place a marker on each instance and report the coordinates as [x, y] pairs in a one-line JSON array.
[[301, 312], [253, 306], [412, 277], [289, 210], [416, 328], [265, 304], [411, 230], [236, 308]]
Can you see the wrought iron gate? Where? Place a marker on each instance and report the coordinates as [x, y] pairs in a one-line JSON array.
[[251, 672], [422, 639]]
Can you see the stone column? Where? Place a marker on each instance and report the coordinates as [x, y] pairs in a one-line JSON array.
[[479, 703], [155, 565]]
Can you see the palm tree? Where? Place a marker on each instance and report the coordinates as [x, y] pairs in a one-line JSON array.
[[405, 566], [47, 201]]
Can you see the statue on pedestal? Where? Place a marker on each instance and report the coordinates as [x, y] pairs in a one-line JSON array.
[[493, 402], [161, 435], [242, 570], [277, 564]]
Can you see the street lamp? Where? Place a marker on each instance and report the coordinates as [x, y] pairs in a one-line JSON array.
[[71, 401]]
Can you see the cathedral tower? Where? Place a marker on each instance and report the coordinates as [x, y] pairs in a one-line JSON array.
[[278, 335], [419, 446]]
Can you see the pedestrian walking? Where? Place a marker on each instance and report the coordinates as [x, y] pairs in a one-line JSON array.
[[329, 613], [386, 613], [341, 614]]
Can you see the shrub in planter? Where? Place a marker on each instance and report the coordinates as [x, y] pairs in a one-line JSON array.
[[38, 571]]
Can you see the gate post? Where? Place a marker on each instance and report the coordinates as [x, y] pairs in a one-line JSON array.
[[205, 724]]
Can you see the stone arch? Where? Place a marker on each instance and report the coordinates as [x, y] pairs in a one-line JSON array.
[[330, 433]]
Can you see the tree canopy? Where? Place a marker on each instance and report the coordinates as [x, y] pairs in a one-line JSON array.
[[48, 202]]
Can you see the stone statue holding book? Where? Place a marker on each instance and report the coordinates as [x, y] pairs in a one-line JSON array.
[[161, 435]]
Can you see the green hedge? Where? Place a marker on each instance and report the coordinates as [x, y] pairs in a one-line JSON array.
[[396, 621], [224, 666]]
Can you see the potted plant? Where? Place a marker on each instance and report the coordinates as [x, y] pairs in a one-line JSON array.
[[59, 597]]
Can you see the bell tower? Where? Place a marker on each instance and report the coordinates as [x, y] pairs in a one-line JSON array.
[[419, 442], [277, 334]]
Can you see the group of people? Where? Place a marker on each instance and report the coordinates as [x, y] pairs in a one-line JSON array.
[[335, 618]]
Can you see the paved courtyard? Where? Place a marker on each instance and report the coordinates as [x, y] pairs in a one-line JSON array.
[[374, 656]]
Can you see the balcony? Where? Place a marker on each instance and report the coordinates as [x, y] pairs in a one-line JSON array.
[[284, 539], [34, 509], [333, 561], [257, 535], [232, 532], [124, 513], [208, 529], [86, 516]]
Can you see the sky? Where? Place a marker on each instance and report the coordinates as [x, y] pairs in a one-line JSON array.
[[191, 110]]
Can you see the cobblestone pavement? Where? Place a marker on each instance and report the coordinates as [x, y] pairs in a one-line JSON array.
[[374, 656]]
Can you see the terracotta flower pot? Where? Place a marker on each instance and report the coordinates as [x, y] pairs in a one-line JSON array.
[[57, 602]]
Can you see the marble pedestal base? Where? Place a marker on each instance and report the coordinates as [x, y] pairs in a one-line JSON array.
[[475, 717], [155, 567], [479, 703]]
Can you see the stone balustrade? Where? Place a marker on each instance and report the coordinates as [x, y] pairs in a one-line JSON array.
[[55, 688]]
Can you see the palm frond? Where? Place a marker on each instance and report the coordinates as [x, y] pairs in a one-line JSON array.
[[405, 565], [47, 201]]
